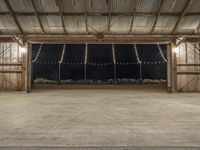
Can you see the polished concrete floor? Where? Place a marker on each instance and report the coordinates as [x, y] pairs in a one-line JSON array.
[[100, 117]]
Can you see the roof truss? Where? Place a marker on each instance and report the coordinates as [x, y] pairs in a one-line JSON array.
[[11, 12]]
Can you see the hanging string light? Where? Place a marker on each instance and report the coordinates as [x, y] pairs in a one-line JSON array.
[[136, 53], [63, 53], [86, 53], [113, 54], [38, 53], [161, 53]]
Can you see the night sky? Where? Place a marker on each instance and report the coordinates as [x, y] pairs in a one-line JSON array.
[[99, 64]]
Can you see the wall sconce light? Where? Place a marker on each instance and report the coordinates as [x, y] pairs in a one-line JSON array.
[[22, 49]]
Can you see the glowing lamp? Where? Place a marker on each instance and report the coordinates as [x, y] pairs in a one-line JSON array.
[[176, 50], [22, 49]]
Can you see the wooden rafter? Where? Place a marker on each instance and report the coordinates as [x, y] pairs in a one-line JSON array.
[[61, 15], [133, 15], [37, 15], [157, 16], [11, 12], [109, 4], [86, 18], [197, 29], [103, 14], [187, 6]]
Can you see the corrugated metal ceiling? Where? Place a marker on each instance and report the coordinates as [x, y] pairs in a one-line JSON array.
[[75, 23]]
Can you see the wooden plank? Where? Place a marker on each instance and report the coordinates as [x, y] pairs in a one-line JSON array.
[[10, 64], [192, 65], [10, 71], [189, 73]]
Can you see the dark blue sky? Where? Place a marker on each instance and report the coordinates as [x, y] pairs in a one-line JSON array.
[[100, 60]]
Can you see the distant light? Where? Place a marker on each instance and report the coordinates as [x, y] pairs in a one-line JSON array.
[[22, 49], [176, 50]]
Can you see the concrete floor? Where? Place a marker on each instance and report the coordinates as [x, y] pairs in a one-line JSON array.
[[104, 117]]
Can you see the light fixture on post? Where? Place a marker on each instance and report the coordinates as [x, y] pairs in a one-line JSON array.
[[175, 50], [22, 49]]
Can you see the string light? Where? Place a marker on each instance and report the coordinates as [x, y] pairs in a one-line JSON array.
[[136, 53], [63, 53], [161, 53], [86, 53], [38, 53], [113, 54]]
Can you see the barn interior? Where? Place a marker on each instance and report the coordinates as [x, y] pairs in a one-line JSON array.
[[99, 74]]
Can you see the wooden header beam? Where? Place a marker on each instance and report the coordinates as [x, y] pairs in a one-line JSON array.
[[92, 39], [12, 13]]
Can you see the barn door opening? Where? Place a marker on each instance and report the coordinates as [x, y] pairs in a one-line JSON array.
[[99, 64]]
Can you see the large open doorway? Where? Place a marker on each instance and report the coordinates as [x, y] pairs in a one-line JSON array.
[[99, 64]]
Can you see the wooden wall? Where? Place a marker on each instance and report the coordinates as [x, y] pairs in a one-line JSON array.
[[188, 67], [10, 67]]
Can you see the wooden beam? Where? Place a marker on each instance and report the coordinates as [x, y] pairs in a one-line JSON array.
[[58, 3], [109, 5], [92, 39], [38, 18], [11, 12], [133, 15], [86, 18], [190, 65], [102, 14], [186, 8], [157, 16], [10, 71], [197, 29], [189, 73], [10, 64]]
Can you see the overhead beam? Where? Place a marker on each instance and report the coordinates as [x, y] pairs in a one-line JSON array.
[[92, 39], [38, 18], [11, 12], [197, 29], [157, 16], [133, 15], [86, 18], [58, 3], [109, 5], [102, 14], [186, 8]]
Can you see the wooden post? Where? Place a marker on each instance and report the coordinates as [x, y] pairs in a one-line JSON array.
[[28, 68], [171, 69], [169, 60], [23, 74], [174, 73]]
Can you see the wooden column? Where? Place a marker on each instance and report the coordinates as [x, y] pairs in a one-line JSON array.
[[28, 68], [169, 78], [23, 74], [171, 69]]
